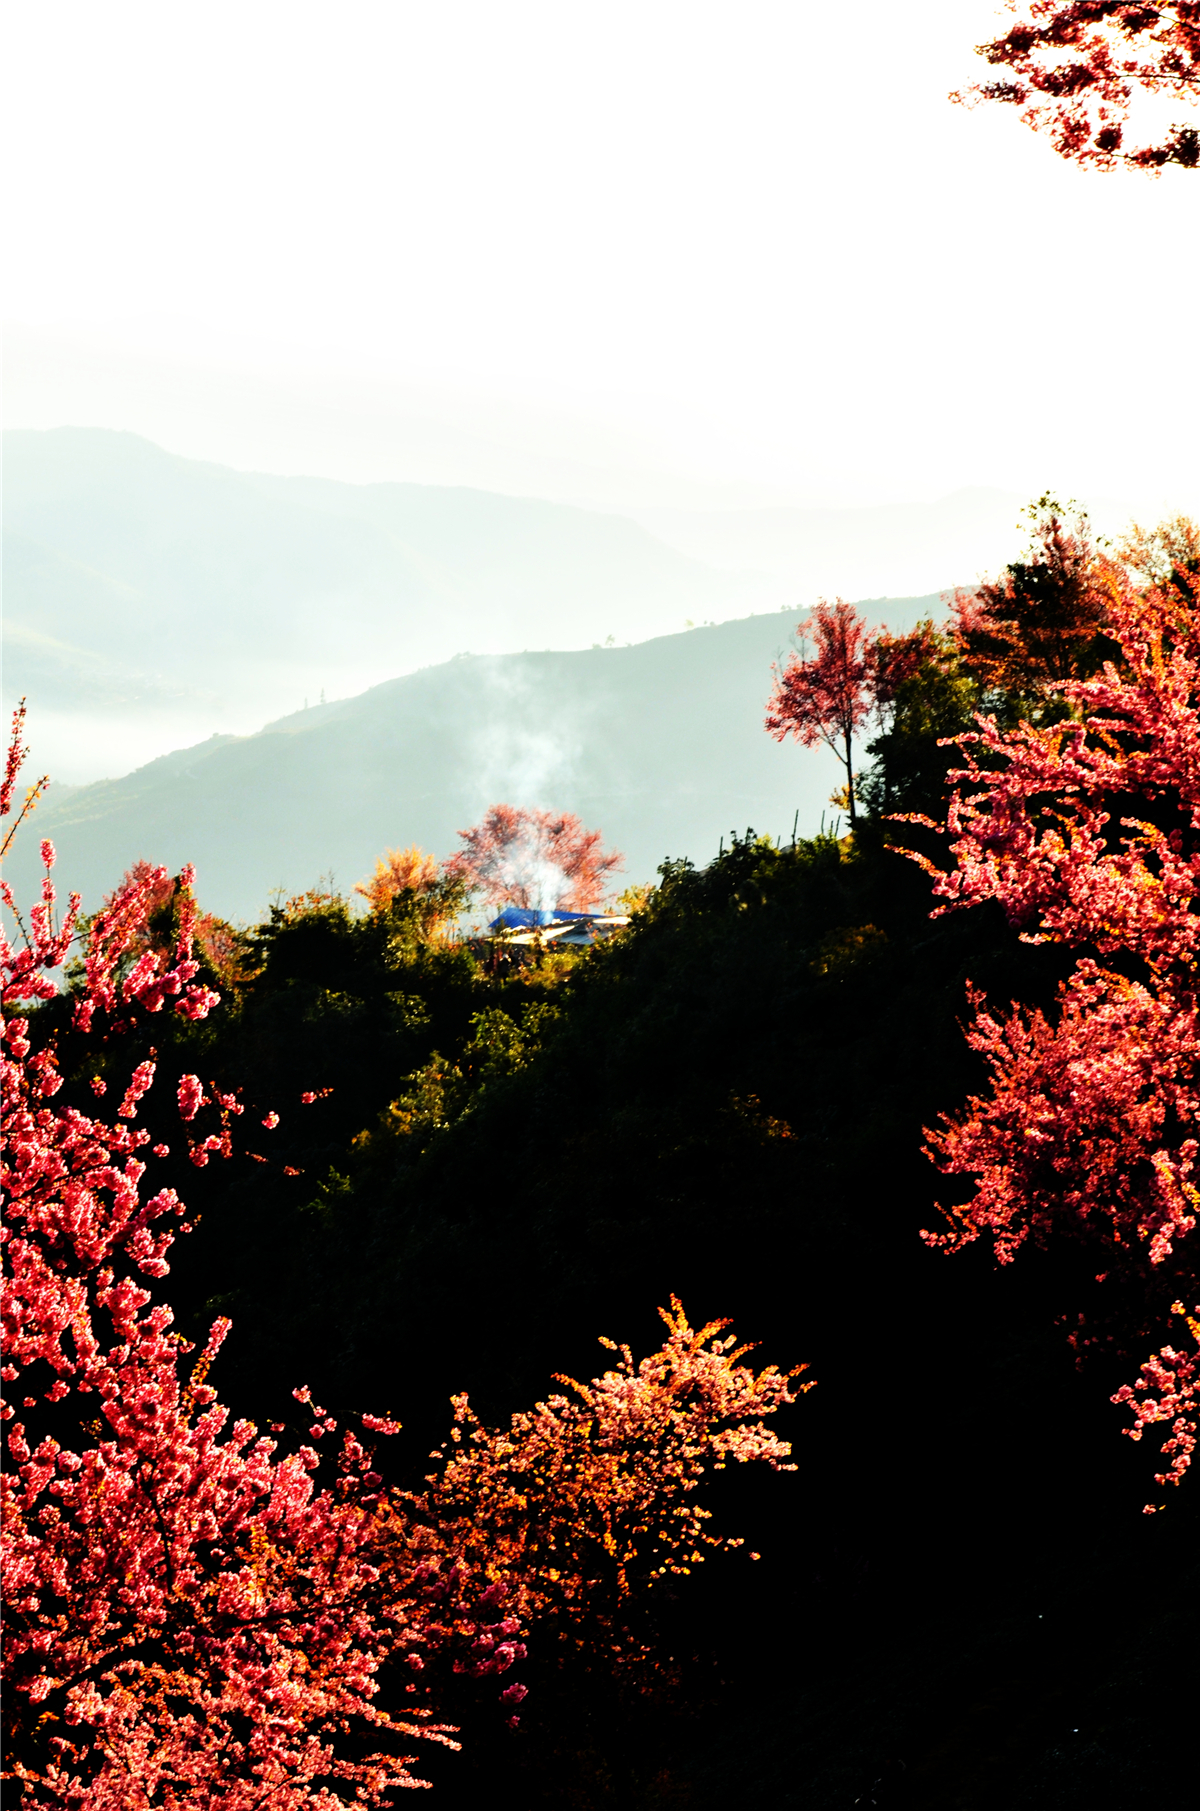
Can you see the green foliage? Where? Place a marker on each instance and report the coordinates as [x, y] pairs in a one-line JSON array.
[[500, 1042], [910, 758]]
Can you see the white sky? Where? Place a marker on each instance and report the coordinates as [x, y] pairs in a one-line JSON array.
[[748, 243]]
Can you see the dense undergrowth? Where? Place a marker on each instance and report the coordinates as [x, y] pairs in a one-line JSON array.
[[725, 1103]]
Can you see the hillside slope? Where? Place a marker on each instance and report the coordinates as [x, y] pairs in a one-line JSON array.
[[143, 590], [660, 745]]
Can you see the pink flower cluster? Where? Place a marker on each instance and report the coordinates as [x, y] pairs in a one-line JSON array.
[[187, 1616], [125, 966], [1168, 1390], [1089, 1126]]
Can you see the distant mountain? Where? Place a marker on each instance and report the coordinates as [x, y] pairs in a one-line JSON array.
[[660, 746], [150, 598]]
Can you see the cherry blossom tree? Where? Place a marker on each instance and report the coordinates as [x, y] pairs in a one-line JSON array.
[[1087, 832], [538, 860], [198, 1612], [1083, 70], [186, 1617], [829, 696]]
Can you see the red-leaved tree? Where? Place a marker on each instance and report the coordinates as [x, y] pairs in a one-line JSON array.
[[1088, 835], [1081, 69], [1044, 618], [198, 1613], [829, 696], [539, 860]]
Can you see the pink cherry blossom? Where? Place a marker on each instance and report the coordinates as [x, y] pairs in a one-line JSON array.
[[1089, 1125], [191, 1096]]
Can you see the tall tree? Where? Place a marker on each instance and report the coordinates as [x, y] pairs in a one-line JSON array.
[[1082, 69], [540, 860], [1044, 618], [829, 696]]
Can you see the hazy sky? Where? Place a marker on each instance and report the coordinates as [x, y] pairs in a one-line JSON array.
[[748, 245]]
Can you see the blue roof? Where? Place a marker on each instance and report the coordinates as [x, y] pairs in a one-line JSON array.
[[519, 918], [522, 918]]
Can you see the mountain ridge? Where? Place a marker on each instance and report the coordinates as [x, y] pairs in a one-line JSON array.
[[660, 745], [163, 587]]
